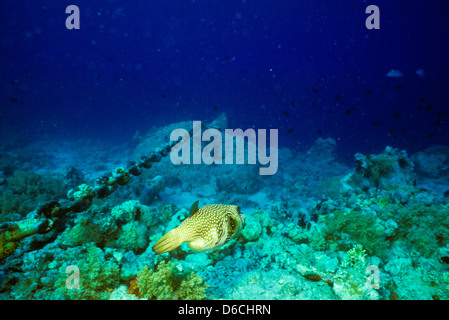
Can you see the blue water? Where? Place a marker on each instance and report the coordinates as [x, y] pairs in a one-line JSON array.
[[137, 64], [71, 102]]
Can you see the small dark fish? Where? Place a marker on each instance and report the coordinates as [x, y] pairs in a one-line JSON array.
[[315, 90], [430, 134], [419, 108], [331, 111], [13, 100], [347, 112], [292, 103], [215, 108], [376, 123], [391, 130], [397, 114], [438, 122], [98, 76], [398, 87], [337, 97], [163, 96], [289, 130], [421, 100], [429, 107], [285, 113], [441, 113], [313, 104], [313, 277], [368, 92], [319, 132]]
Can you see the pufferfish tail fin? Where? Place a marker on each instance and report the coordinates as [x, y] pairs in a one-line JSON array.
[[170, 241]]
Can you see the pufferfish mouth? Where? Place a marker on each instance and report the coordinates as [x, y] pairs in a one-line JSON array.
[[242, 218]]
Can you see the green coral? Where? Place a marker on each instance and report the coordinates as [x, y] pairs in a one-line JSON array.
[[426, 228], [164, 212], [390, 170], [133, 210], [125, 227], [120, 176], [25, 190], [355, 257], [380, 165], [43, 274], [169, 283], [80, 192], [99, 276], [132, 236], [94, 225], [350, 226]]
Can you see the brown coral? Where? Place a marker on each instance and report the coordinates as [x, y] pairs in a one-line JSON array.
[[168, 283]]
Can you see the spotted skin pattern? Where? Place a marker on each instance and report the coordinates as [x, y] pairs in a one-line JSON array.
[[207, 228]]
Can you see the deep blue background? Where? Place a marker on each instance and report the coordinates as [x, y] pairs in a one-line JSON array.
[[267, 64]]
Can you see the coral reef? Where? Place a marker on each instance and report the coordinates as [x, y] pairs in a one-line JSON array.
[[318, 229], [344, 228], [24, 190], [392, 169], [45, 277], [124, 227], [168, 282]]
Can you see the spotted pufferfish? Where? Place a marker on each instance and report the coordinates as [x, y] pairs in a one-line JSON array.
[[207, 228]]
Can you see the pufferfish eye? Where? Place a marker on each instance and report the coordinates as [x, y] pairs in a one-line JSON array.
[[232, 223]]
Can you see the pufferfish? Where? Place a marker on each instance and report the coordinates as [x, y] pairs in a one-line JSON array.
[[207, 228]]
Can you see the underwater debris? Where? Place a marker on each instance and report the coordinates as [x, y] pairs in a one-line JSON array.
[[207, 228], [80, 199], [252, 230], [12, 232]]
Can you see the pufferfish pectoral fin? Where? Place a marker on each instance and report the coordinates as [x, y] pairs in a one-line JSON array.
[[194, 208], [170, 241]]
